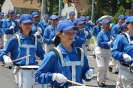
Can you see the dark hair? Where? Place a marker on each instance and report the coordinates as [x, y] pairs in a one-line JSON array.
[[57, 40]]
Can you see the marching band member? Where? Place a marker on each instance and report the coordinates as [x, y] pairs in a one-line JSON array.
[[37, 29], [122, 51], [22, 44], [103, 52], [50, 33], [71, 16], [9, 26], [116, 28], [96, 29], [45, 22], [79, 39], [53, 71], [1, 30]]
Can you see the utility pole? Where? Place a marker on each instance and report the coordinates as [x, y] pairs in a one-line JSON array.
[[132, 5], [60, 7], [44, 7], [92, 11]]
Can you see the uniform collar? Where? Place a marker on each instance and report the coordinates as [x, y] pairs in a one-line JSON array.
[[24, 37], [9, 20], [129, 35], [64, 51]]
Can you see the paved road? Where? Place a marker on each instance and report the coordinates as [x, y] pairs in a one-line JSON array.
[[6, 81]]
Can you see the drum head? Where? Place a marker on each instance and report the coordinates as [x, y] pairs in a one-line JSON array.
[[29, 67]]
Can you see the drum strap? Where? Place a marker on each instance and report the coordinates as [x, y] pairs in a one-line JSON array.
[[73, 64], [26, 46], [128, 38]]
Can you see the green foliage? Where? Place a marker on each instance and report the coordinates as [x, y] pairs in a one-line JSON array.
[[121, 10]]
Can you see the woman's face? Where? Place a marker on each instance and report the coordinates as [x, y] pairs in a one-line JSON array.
[[26, 27], [130, 28], [11, 15], [106, 26], [67, 36]]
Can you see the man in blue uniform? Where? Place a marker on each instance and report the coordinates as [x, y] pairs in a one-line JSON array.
[[116, 28], [71, 16], [10, 26], [50, 33], [45, 21]]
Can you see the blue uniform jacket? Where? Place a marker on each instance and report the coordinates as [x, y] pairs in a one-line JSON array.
[[1, 33], [6, 25], [89, 25], [102, 39], [115, 30], [89, 34], [43, 23], [34, 28], [51, 64], [49, 34], [121, 47], [96, 29], [17, 52], [79, 39]]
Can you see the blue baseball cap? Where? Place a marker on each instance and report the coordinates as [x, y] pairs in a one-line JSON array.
[[1, 13], [83, 18], [78, 21], [59, 16], [71, 13], [10, 11], [46, 16], [34, 14], [129, 19], [99, 20], [123, 25], [65, 25], [26, 18], [105, 21], [87, 17], [121, 17], [18, 15], [126, 16], [52, 17], [14, 15]]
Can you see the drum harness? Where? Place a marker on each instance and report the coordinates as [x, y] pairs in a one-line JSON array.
[[124, 64], [73, 64], [27, 53]]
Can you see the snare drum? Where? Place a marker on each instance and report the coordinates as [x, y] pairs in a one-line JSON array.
[[26, 77]]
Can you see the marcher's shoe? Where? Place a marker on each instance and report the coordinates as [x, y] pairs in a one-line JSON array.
[[10, 67], [3, 64], [94, 56], [110, 69], [101, 84], [116, 72], [88, 50]]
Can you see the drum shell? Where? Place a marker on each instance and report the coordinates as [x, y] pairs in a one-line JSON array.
[[26, 77]]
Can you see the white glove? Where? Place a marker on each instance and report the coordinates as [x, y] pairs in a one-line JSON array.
[[40, 30], [53, 39], [86, 33], [59, 77], [11, 27], [2, 20], [109, 42], [37, 33], [89, 73], [13, 24], [127, 57], [7, 60]]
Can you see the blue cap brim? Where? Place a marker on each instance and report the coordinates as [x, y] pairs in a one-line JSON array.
[[27, 21], [70, 27], [81, 22], [35, 15]]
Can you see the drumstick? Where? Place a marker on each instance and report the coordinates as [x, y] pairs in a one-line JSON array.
[[20, 58], [79, 84], [94, 75]]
